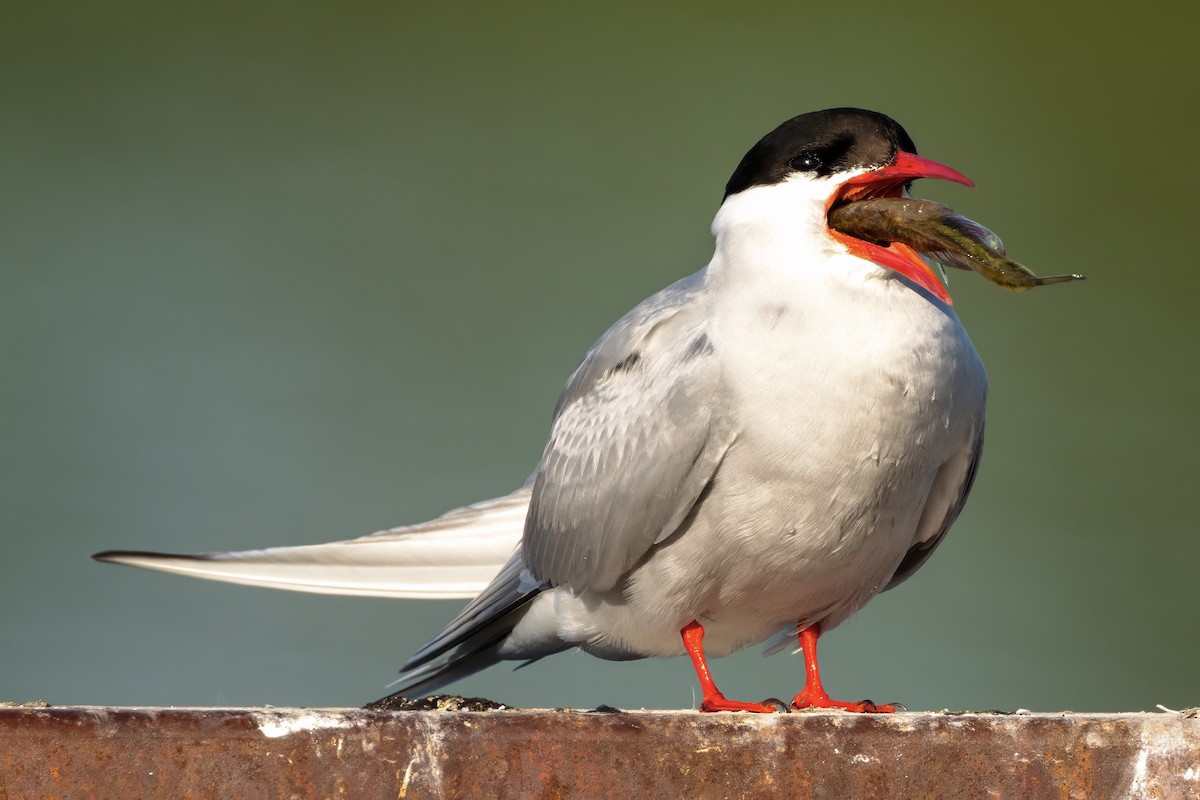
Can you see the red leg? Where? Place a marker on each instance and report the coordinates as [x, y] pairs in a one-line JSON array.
[[693, 638], [813, 694]]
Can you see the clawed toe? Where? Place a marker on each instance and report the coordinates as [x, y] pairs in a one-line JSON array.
[[777, 705], [718, 702], [818, 701]]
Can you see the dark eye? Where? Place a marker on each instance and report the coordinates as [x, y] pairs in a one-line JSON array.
[[805, 162]]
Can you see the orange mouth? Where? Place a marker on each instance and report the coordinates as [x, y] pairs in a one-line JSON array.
[[890, 181]]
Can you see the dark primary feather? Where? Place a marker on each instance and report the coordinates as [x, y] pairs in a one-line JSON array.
[[502, 596], [472, 640]]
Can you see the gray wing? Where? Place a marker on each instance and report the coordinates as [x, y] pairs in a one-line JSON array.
[[472, 640], [637, 435], [946, 499]]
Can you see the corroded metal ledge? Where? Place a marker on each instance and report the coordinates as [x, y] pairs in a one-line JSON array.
[[267, 753]]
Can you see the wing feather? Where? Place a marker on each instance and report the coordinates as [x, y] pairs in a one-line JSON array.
[[946, 499], [637, 435]]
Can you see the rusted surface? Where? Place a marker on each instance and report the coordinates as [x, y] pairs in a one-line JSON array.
[[285, 753]]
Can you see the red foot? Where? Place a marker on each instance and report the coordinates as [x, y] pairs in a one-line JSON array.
[[813, 695], [718, 703], [693, 638], [819, 699]]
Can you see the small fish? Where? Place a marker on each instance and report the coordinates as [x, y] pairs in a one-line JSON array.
[[938, 232]]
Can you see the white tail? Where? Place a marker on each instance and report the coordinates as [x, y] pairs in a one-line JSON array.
[[453, 556]]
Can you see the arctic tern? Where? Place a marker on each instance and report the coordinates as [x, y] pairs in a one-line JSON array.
[[756, 451]]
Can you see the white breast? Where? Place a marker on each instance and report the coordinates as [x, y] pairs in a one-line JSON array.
[[851, 390]]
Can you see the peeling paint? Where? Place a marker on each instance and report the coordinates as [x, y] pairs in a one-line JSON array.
[[425, 766], [407, 778], [1137, 787], [273, 725]]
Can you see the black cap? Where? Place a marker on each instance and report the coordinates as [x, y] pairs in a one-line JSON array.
[[821, 143]]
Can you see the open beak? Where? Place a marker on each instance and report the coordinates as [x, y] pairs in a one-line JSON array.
[[890, 181]]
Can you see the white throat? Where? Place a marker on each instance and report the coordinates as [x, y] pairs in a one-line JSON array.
[[778, 228]]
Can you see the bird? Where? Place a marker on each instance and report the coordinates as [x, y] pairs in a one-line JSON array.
[[749, 455]]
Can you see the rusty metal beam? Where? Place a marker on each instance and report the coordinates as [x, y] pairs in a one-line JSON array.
[[89, 752]]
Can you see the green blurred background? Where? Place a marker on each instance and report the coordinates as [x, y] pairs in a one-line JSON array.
[[277, 273]]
